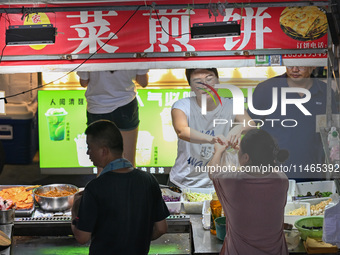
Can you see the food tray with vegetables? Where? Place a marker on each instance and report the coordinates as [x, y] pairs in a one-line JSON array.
[[317, 190], [20, 196], [295, 211], [312, 207], [318, 207], [193, 199], [173, 200]]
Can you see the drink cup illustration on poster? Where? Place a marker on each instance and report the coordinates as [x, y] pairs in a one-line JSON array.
[[56, 123]]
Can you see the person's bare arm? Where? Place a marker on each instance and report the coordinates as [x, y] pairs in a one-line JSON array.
[[84, 83], [216, 159], [159, 229], [76, 204], [184, 132], [82, 237], [142, 80]]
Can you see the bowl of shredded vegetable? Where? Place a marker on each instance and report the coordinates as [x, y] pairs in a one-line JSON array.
[[194, 198], [55, 197]]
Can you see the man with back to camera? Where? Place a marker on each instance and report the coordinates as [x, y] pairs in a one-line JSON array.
[[121, 210], [298, 133]]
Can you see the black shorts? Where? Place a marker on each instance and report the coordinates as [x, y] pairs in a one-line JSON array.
[[125, 117]]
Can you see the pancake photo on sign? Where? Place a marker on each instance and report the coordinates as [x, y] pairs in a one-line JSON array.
[[304, 23]]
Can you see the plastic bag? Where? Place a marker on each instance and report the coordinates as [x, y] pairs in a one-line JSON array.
[[230, 158], [331, 224]]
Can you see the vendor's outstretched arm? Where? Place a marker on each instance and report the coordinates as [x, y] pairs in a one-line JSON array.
[[184, 132]]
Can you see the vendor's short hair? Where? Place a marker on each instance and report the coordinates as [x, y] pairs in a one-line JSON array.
[[107, 134], [188, 72]]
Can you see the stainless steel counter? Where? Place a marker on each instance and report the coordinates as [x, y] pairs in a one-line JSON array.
[[206, 243], [43, 236], [67, 245], [185, 236], [203, 241]]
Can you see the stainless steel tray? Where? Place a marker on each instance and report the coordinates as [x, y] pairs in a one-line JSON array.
[[20, 213]]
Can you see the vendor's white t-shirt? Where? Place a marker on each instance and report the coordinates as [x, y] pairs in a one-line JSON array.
[[107, 91], [188, 170]]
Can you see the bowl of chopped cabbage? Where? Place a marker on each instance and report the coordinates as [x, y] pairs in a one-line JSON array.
[[193, 199]]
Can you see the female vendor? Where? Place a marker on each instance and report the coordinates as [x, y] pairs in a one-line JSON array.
[[253, 197]]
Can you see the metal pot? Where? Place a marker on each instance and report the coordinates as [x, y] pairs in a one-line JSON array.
[[55, 204], [7, 216]]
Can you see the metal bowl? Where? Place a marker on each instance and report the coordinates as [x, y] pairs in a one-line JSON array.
[[55, 204], [7, 216]]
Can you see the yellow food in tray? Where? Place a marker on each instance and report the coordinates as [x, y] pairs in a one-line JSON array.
[[302, 211], [20, 196], [319, 209]]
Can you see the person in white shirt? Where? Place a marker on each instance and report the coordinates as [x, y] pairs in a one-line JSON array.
[[197, 133], [111, 95]]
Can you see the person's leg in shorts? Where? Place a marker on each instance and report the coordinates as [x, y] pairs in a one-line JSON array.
[[127, 120]]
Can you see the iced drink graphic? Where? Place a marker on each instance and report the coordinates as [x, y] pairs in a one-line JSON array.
[[83, 158], [56, 123], [144, 148], [169, 133]]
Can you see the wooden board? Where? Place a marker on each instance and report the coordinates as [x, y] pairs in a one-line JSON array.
[[4, 239]]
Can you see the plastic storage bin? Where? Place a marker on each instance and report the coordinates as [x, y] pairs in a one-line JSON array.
[[303, 187], [19, 132], [173, 207], [196, 207], [323, 186], [291, 206]]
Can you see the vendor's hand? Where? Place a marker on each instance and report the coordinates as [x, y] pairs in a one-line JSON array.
[[221, 144], [234, 137], [219, 139], [234, 141]]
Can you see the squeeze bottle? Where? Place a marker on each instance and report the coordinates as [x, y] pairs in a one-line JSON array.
[[216, 211]]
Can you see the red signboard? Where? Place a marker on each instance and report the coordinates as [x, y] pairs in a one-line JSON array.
[[161, 31]]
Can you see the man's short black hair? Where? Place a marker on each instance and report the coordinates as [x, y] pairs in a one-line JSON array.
[[188, 72], [107, 134]]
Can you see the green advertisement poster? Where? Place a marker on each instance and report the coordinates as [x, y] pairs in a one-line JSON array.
[[62, 121], [157, 140]]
